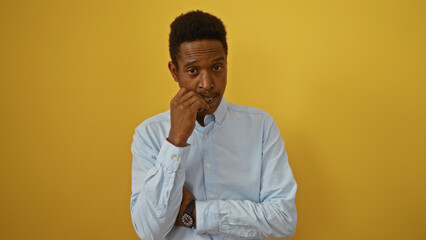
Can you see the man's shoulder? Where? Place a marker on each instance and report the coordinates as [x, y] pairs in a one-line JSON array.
[[161, 119], [247, 110], [244, 115]]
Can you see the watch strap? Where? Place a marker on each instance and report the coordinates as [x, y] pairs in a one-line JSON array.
[[190, 208]]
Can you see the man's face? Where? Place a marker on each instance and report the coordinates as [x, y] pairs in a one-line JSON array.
[[202, 67]]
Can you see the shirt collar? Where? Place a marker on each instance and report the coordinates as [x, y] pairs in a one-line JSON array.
[[219, 114]]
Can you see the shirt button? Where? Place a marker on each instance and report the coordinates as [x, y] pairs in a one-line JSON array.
[[208, 165], [218, 121], [206, 136], [175, 158], [211, 196]]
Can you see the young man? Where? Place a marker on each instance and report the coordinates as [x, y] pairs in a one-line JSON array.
[[209, 169]]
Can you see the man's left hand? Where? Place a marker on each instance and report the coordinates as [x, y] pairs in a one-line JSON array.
[[186, 199]]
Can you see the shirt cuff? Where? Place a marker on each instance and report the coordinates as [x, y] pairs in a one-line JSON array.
[[207, 217], [172, 157]]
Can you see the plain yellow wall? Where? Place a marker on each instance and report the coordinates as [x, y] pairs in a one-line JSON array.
[[344, 80]]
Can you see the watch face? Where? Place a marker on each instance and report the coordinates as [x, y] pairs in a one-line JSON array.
[[187, 220]]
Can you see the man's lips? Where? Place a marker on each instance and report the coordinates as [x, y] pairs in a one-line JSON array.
[[209, 98]]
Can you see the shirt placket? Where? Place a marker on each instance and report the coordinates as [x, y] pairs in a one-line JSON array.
[[209, 163]]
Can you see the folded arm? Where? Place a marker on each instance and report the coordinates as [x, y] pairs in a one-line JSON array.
[[157, 184], [274, 216]]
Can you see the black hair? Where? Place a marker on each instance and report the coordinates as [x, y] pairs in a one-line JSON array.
[[194, 26]]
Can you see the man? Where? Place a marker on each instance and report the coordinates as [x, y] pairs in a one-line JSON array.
[[209, 169]]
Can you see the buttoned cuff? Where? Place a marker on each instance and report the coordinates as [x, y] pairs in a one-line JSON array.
[[207, 217], [172, 157]]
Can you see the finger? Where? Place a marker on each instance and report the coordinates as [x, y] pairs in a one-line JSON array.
[[181, 92], [178, 95], [194, 99], [206, 105], [186, 96], [189, 95], [199, 105]]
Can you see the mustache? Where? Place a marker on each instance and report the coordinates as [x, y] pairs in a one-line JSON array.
[[207, 93]]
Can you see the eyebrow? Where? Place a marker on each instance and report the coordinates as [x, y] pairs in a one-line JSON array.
[[190, 63], [218, 59], [214, 60]]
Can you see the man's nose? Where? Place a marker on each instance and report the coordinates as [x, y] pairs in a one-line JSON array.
[[206, 82]]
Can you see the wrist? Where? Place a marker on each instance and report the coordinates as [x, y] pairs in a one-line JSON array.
[[188, 218], [178, 142]]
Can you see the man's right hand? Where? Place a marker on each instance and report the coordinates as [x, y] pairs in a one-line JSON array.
[[183, 113]]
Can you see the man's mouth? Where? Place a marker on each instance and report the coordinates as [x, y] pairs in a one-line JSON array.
[[209, 99]]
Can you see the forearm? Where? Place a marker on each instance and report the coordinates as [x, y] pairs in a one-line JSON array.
[[158, 192], [271, 219], [153, 218]]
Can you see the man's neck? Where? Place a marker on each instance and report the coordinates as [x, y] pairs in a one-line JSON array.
[[200, 119]]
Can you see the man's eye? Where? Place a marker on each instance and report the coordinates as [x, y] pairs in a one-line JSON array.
[[192, 70], [217, 67]]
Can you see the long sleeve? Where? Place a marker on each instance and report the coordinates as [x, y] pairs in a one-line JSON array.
[[158, 175], [274, 216], [235, 166]]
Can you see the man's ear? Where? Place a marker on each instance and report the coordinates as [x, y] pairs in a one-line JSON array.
[[173, 70]]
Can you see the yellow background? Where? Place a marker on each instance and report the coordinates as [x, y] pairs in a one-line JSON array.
[[344, 80]]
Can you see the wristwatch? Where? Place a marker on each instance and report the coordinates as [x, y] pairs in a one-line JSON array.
[[187, 219]]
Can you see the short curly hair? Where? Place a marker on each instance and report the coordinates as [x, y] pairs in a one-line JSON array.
[[194, 26]]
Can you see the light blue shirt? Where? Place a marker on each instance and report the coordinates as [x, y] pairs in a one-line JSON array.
[[236, 167]]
